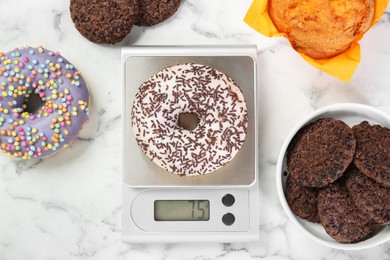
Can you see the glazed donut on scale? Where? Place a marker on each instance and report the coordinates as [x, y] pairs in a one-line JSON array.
[[214, 98], [64, 102]]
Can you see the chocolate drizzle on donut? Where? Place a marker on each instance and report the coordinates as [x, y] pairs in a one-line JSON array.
[[190, 88]]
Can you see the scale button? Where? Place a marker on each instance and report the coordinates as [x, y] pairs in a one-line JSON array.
[[228, 219], [228, 200]]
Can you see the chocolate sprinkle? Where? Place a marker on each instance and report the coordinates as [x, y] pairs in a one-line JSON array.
[[190, 88]]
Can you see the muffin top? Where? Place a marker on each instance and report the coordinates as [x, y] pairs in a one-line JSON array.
[[322, 28]]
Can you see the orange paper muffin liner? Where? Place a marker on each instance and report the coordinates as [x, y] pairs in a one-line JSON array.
[[341, 66]]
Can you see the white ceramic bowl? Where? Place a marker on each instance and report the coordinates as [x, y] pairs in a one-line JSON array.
[[351, 114]]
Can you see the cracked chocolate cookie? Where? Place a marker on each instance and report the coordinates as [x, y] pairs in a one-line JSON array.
[[302, 200], [373, 151], [104, 21], [153, 12], [320, 152], [340, 217], [369, 196]]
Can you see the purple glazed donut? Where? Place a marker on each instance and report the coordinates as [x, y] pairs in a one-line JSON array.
[[61, 98]]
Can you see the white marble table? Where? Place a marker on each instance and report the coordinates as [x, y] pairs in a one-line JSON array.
[[68, 206]]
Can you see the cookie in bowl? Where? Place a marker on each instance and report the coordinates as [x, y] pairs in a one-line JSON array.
[[320, 152], [369, 196], [302, 200], [349, 195], [373, 151], [339, 216]]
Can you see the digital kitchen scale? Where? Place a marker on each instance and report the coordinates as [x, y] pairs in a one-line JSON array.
[[158, 206]]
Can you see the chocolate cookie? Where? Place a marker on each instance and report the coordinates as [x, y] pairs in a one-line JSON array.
[[153, 12], [302, 200], [369, 196], [320, 152], [373, 151], [339, 215], [104, 21]]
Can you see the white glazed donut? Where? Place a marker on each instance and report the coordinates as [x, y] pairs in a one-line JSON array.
[[216, 100]]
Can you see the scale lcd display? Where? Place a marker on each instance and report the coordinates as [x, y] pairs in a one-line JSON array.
[[181, 210]]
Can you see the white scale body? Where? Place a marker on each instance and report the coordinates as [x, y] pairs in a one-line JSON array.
[[158, 206]]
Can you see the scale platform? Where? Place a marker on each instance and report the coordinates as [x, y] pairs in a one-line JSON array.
[[158, 206]]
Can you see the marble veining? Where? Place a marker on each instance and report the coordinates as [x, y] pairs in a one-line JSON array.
[[68, 206]]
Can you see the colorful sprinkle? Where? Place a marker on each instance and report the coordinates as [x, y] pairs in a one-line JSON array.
[[22, 73]]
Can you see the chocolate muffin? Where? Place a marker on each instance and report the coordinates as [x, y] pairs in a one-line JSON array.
[[322, 28], [320, 152], [339, 215], [373, 151], [302, 200], [153, 12], [369, 196], [104, 21]]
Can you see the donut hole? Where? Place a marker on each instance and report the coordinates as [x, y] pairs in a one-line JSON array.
[[188, 121], [33, 103]]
